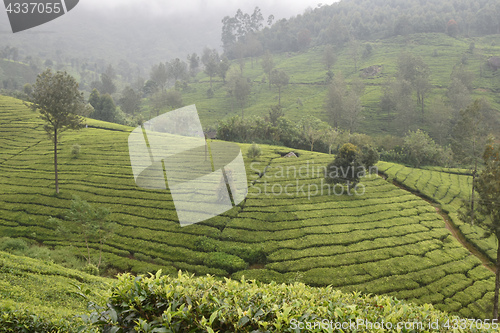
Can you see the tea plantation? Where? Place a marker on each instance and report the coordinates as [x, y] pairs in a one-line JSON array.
[[447, 187], [38, 296], [383, 240]]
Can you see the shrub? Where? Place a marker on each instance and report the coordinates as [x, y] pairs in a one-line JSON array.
[[91, 269], [23, 321], [206, 244], [166, 304], [8, 244], [225, 261], [39, 252], [421, 148], [254, 151], [75, 150], [250, 255], [210, 93], [142, 257]]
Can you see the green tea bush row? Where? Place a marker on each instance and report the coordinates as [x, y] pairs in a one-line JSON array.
[[204, 304], [225, 261], [22, 321]]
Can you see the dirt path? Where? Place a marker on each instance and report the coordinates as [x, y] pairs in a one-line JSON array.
[[452, 228]]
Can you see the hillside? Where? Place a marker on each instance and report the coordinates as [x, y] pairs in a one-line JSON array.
[[13, 75], [385, 241], [307, 90], [30, 287], [43, 297], [448, 188]]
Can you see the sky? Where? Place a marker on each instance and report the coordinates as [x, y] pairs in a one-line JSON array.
[[279, 8]]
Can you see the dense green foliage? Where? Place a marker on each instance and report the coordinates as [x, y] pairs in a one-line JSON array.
[[184, 303], [376, 19], [350, 164], [39, 296]]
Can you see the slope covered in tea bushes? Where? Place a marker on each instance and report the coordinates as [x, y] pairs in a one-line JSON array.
[[447, 187], [44, 296], [290, 228], [204, 304]]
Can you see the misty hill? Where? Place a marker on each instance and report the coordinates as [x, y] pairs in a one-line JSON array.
[[308, 86], [143, 37], [138, 37]]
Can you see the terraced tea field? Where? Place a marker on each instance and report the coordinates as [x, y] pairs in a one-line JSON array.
[[448, 187], [46, 290], [290, 228]]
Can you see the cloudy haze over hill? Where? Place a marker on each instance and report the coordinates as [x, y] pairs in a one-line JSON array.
[[141, 32]]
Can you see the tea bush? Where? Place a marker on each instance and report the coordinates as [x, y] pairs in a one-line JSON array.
[[183, 303]]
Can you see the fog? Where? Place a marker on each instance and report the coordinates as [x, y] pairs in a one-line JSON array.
[[279, 8], [141, 32]]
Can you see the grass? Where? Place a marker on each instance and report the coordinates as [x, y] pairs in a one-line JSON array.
[[385, 241]]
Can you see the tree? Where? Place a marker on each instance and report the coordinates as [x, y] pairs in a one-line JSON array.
[[486, 212], [330, 136], [368, 50], [177, 70], [210, 60], [110, 72], [464, 76], [280, 79], [173, 99], [334, 100], [304, 38], [103, 105], [130, 101], [106, 110], [159, 75], [107, 85], [413, 70], [253, 47], [61, 105], [275, 113], [312, 129], [352, 109], [350, 164], [268, 65], [397, 98], [423, 87], [224, 68], [452, 28], [440, 121], [458, 94], [194, 63], [238, 28], [329, 57], [159, 101], [468, 135], [242, 89], [354, 52], [420, 148], [88, 223]]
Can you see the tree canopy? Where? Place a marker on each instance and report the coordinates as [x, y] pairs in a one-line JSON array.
[[61, 105]]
